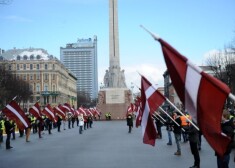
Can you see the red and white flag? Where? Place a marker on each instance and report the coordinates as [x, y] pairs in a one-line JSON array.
[[60, 110], [82, 111], [138, 112], [151, 102], [35, 110], [67, 107], [14, 112], [49, 112], [202, 95]]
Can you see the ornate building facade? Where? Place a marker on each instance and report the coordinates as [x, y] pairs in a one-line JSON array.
[[49, 80]]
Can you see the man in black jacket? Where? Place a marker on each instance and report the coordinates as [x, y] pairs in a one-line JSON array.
[[8, 128], [129, 120], [177, 132], [193, 136]]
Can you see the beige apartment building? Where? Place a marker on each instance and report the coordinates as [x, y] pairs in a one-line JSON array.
[[48, 78]]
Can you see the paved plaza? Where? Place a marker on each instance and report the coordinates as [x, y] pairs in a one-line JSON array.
[[107, 145]]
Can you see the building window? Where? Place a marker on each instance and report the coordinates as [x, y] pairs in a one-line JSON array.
[[18, 67], [38, 88], [53, 66], [38, 76], [45, 76], [38, 57], [9, 68], [31, 88], [25, 57], [31, 77], [31, 57], [53, 76], [38, 66], [53, 88], [31, 66], [18, 77], [24, 77], [24, 66], [46, 66], [18, 57], [45, 87]]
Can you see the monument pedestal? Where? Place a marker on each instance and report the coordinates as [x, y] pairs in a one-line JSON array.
[[114, 101]]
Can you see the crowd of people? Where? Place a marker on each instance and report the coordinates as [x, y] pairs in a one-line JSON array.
[[40, 126], [185, 131]]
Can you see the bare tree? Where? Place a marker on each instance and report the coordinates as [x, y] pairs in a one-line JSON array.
[[11, 87], [223, 66]]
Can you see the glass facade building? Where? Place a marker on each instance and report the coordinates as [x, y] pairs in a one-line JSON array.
[[81, 59]]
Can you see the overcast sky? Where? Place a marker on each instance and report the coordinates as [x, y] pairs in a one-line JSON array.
[[194, 27]]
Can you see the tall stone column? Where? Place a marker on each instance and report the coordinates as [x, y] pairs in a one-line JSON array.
[[115, 97], [114, 60], [114, 77]]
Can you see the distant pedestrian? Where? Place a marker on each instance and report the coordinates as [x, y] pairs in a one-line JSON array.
[[129, 120], [58, 123], [159, 123], [177, 132], [28, 129], [39, 123], [169, 128], [49, 125], [81, 123], [8, 129]]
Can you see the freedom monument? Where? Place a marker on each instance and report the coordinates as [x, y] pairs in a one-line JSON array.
[[114, 97]]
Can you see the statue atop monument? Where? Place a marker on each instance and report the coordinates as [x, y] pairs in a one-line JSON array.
[[114, 77]]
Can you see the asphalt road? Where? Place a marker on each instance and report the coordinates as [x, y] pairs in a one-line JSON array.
[[107, 145]]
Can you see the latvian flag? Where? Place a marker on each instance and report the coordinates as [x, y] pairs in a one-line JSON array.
[[36, 111], [49, 112], [14, 112], [203, 95]]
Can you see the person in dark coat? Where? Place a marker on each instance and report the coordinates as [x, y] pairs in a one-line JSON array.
[[159, 125], [129, 120], [49, 125], [193, 137], [58, 123], [177, 132], [8, 128], [169, 127], [228, 129]]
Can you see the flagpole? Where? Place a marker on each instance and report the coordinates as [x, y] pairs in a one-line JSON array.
[[170, 117], [161, 120], [153, 35], [159, 116], [231, 96], [177, 110], [182, 113]]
